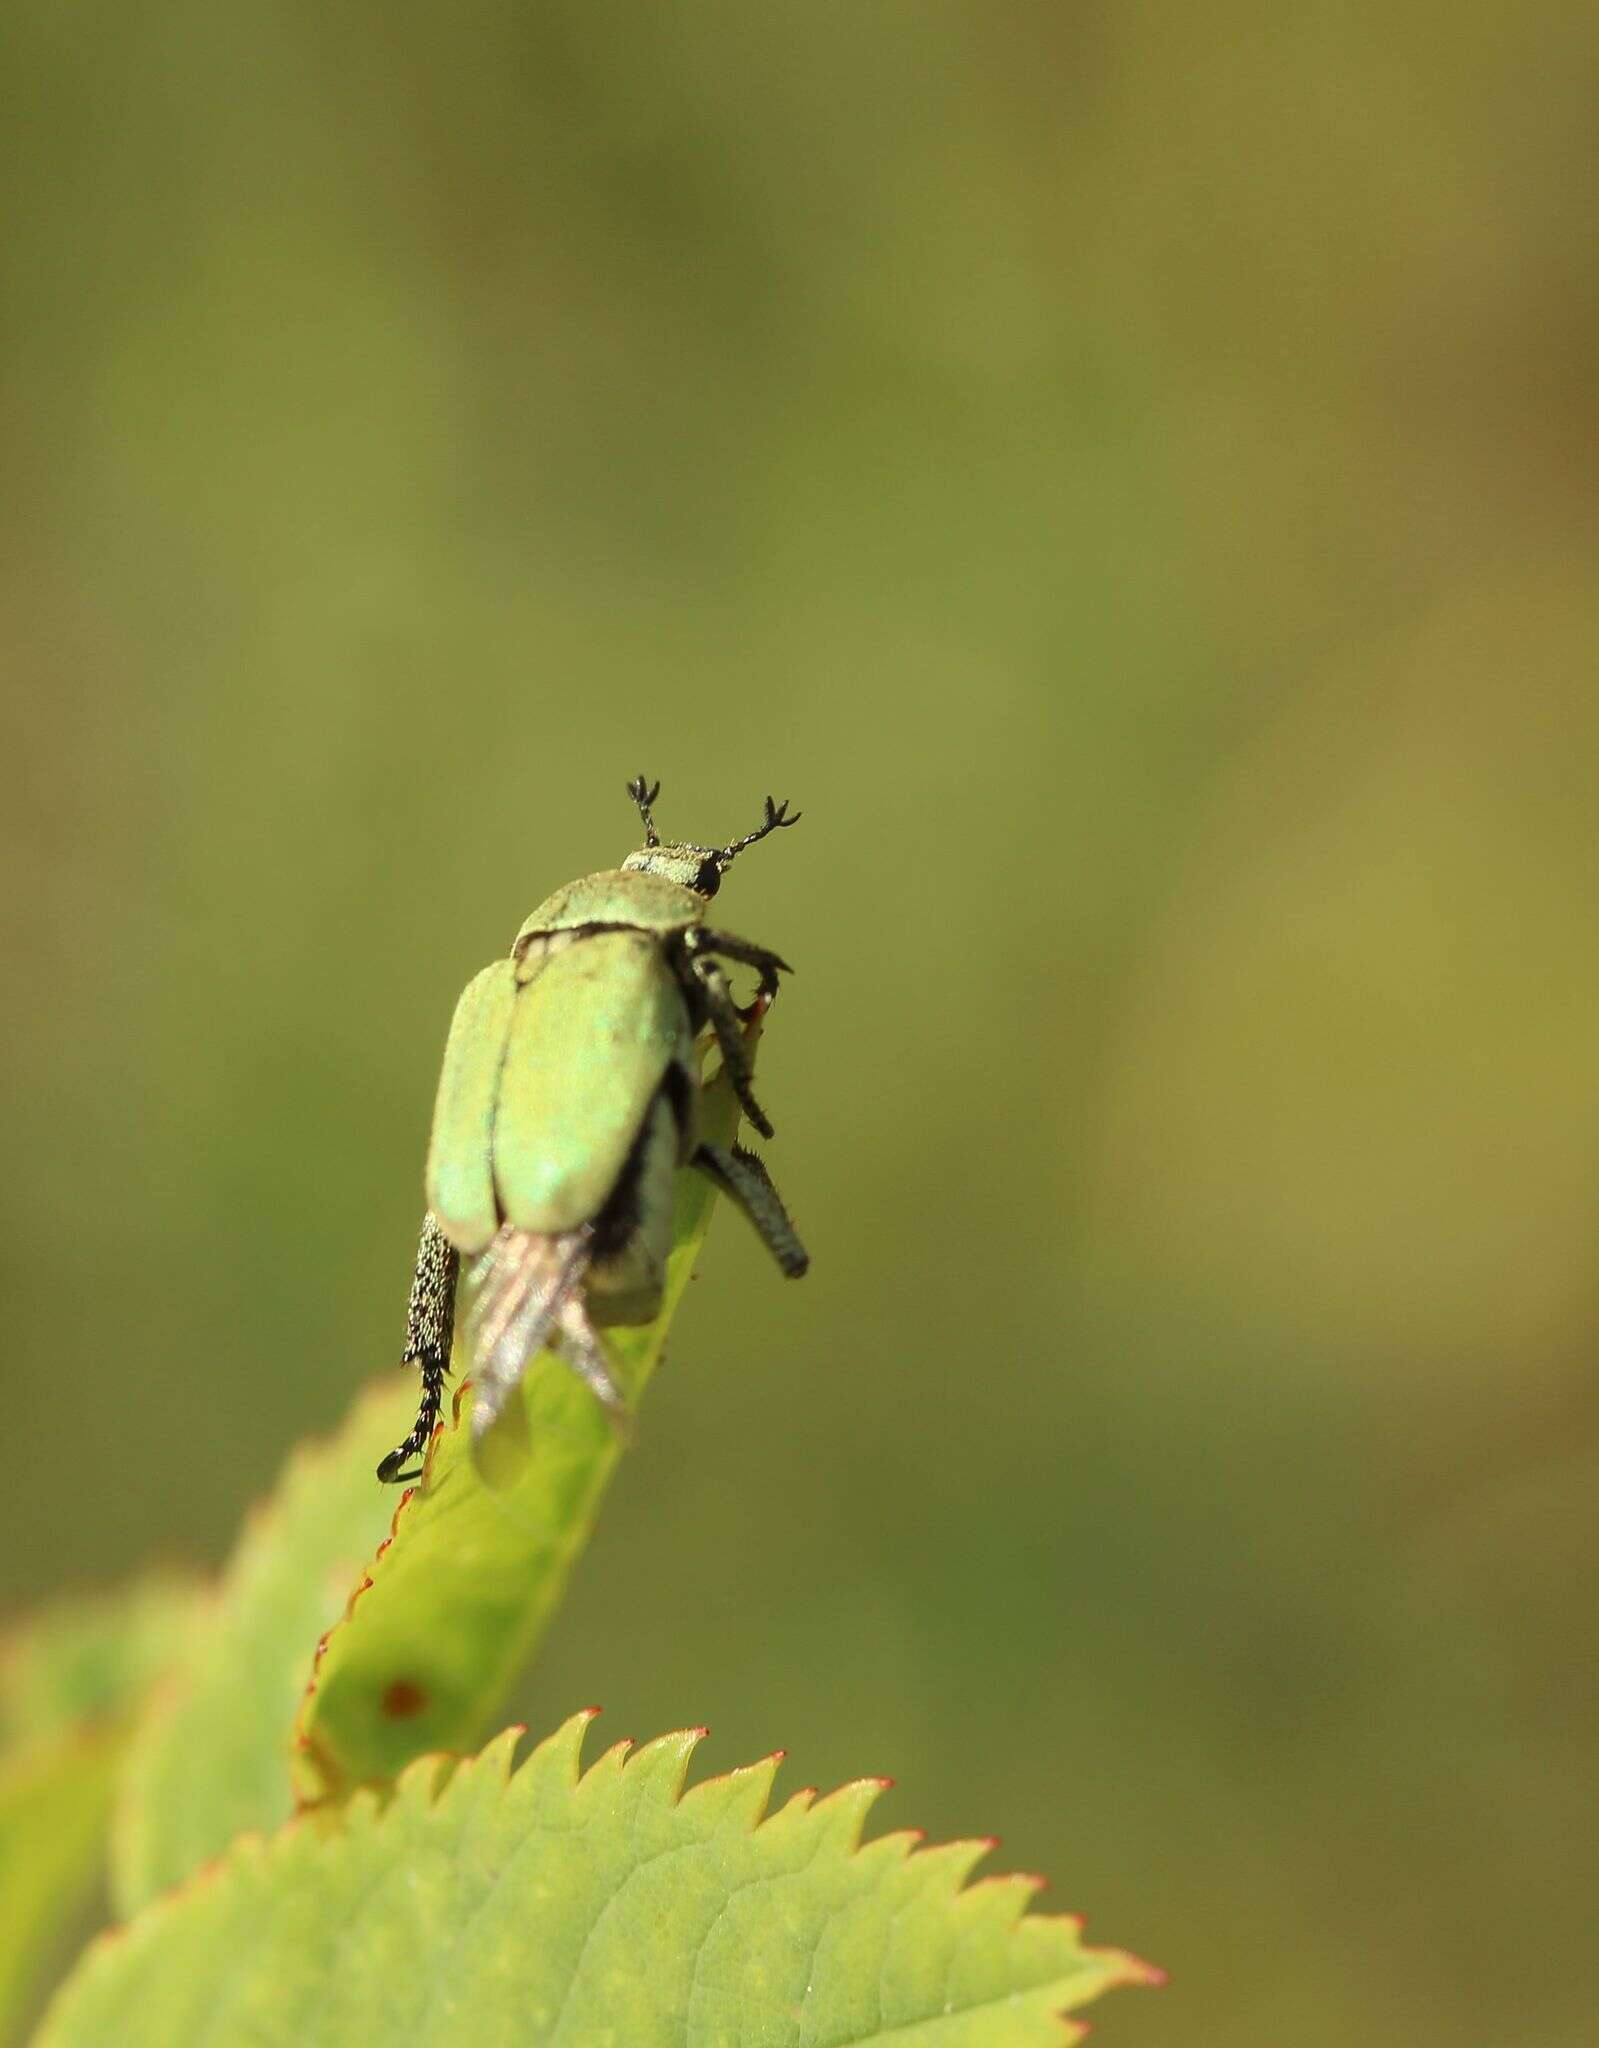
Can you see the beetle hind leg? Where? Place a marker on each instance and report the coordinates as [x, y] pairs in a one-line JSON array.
[[429, 1332], [743, 1177], [391, 1470]]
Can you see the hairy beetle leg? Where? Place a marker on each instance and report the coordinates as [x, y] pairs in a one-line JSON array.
[[728, 1023], [744, 1178], [429, 1333], [427, 1416]]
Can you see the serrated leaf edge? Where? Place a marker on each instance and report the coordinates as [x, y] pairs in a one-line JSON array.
[[301, 1740], [658, 1770]]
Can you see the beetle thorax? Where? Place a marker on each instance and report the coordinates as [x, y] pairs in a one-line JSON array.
[[695, 867], [647, 900]]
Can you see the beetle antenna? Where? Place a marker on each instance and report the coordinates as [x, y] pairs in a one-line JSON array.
[[644, 796], [776, 816]]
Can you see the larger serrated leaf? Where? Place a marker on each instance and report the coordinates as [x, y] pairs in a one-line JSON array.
[[455, 1602], [211, 1756], [69, 1681], [602, 1910]]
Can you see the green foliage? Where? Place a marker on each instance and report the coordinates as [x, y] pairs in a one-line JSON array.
[[89, 1662], [602, 1908], [451, 1607], [209, 1760], [420, 1898], [452, 1591], [68, 1684], [53, 1805]]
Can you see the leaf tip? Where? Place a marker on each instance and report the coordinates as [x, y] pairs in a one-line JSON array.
[[946, 1866], [568, 1738], [659, 1768], [842, 1813], [735, 1799], [500, 1754], [1116, 1968], [421, 1780]]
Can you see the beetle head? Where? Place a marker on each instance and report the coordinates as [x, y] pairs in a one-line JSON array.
[[699, 868]]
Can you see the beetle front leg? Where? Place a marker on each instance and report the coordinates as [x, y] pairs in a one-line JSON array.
[[702, 940], [743, 1177], [429, 1332], [728, 1025]]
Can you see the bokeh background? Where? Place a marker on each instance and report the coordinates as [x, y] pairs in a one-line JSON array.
[[1127, 473]]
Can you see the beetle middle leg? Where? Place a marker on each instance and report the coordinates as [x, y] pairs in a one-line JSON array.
[[429, 1331], [744, 1178], [728, 1025]]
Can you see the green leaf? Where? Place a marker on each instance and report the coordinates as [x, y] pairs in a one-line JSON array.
[[54, 1799], [451, 1608], [211, 1756], [602, 1910], [68, 1682], [452, 1588], [91, 1660]]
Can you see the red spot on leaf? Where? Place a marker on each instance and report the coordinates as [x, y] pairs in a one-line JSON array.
[[402, 1698]]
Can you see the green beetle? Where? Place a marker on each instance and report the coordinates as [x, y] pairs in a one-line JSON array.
[[566, 1103]]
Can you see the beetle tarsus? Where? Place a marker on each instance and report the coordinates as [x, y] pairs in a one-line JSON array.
[[391, 1470], [429, 1332]]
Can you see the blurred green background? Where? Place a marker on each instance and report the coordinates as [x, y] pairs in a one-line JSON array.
[[1126, 473]]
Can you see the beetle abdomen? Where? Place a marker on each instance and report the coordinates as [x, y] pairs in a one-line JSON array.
[[592, 1032]]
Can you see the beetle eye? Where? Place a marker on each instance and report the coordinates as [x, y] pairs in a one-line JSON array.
[[709, 878]]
